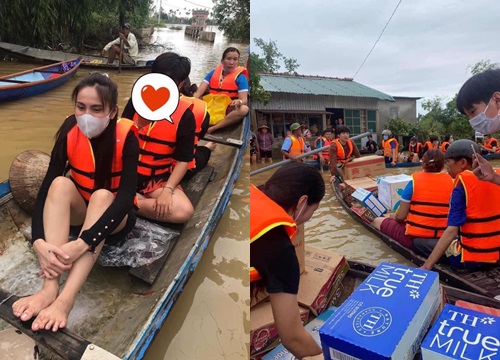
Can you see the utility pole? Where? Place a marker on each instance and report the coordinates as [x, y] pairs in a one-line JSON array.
[[159, 13]]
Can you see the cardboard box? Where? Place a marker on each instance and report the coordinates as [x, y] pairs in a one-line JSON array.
[[324, 268], [461, 333], [298, 242], [281, 353], [477, 307], [385, 318], [371, 165], [366, 183], [263, 331], [370, 201], [390, 189]]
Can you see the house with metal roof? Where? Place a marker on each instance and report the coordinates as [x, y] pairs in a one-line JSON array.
[[320, 101]]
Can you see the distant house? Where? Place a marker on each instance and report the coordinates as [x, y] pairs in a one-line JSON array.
[[320, 101]]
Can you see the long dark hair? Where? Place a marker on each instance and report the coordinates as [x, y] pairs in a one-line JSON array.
[[291, 181], [104, 145]]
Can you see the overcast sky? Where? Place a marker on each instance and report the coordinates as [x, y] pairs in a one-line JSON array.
[[425, 50]]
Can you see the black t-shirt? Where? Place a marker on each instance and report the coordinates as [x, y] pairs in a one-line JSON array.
[[273, 256], [184, 145]]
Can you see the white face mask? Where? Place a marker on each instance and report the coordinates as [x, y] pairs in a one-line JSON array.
[[92, 126], [385, 137], [485, 125]]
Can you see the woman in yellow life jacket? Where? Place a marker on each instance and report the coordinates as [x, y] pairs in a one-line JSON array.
[[289, 198], [423, 210], [228, 79], [472, 236], [98, 198]]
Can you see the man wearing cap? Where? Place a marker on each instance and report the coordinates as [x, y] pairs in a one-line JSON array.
[[471, 238], [265, 141], [293, 145], [130, 47]]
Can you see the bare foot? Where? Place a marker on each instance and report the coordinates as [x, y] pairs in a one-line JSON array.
[[54, 317], [29, 306], [211, 145]]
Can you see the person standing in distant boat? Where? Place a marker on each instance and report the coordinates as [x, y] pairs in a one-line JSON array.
[[130, 47]]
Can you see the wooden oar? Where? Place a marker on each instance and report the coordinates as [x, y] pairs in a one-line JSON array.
[[224, 141], [315, 151], [120, 57]]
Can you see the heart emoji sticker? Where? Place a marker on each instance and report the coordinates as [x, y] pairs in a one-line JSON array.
[[155, 97]]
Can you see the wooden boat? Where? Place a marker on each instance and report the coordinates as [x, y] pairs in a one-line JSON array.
[[491, 156], [31, 54], [38, 80], [485, 281], [402, 165], [115, 311]]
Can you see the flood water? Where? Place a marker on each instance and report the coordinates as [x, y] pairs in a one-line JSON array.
[[211, 318]]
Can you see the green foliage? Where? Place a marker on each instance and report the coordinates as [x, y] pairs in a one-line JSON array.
[[233, 17], [71, 23], [257, 92], [483, 65]]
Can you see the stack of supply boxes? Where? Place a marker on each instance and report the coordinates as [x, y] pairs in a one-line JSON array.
[[385, 318]]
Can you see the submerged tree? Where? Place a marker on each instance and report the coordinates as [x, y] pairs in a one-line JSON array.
[[233, 17]]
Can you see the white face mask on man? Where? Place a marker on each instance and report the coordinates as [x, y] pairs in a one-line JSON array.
[[92, 126], [485, 125]]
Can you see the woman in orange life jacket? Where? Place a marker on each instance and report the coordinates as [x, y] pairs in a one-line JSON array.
[[472, 237], [162, 144], [342, 150], [424, 205], [448, 139], [322, 141], [232, 80], [432, 143], [390, 146], [98, 198], [289, 198]]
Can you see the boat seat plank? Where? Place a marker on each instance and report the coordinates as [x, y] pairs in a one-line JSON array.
[[193, 189], [64, 343], [51, 71]]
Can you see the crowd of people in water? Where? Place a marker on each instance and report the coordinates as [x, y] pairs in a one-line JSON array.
[[119, 167]]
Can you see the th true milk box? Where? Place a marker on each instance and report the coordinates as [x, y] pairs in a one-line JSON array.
[[370, 201], [386, 317], [390, 189], [461, 333]]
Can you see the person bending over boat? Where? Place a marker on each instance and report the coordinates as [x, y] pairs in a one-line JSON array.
[[490, 145], [415, 149], [288, 199], [390, 146], [130, 47], [228, 79], [98, 197], [294, 144], [162, 144], [342, 150], [432, 143], [423, 210], [472, 238]]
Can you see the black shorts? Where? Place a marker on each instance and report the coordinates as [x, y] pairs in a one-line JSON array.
[[266, 154]]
